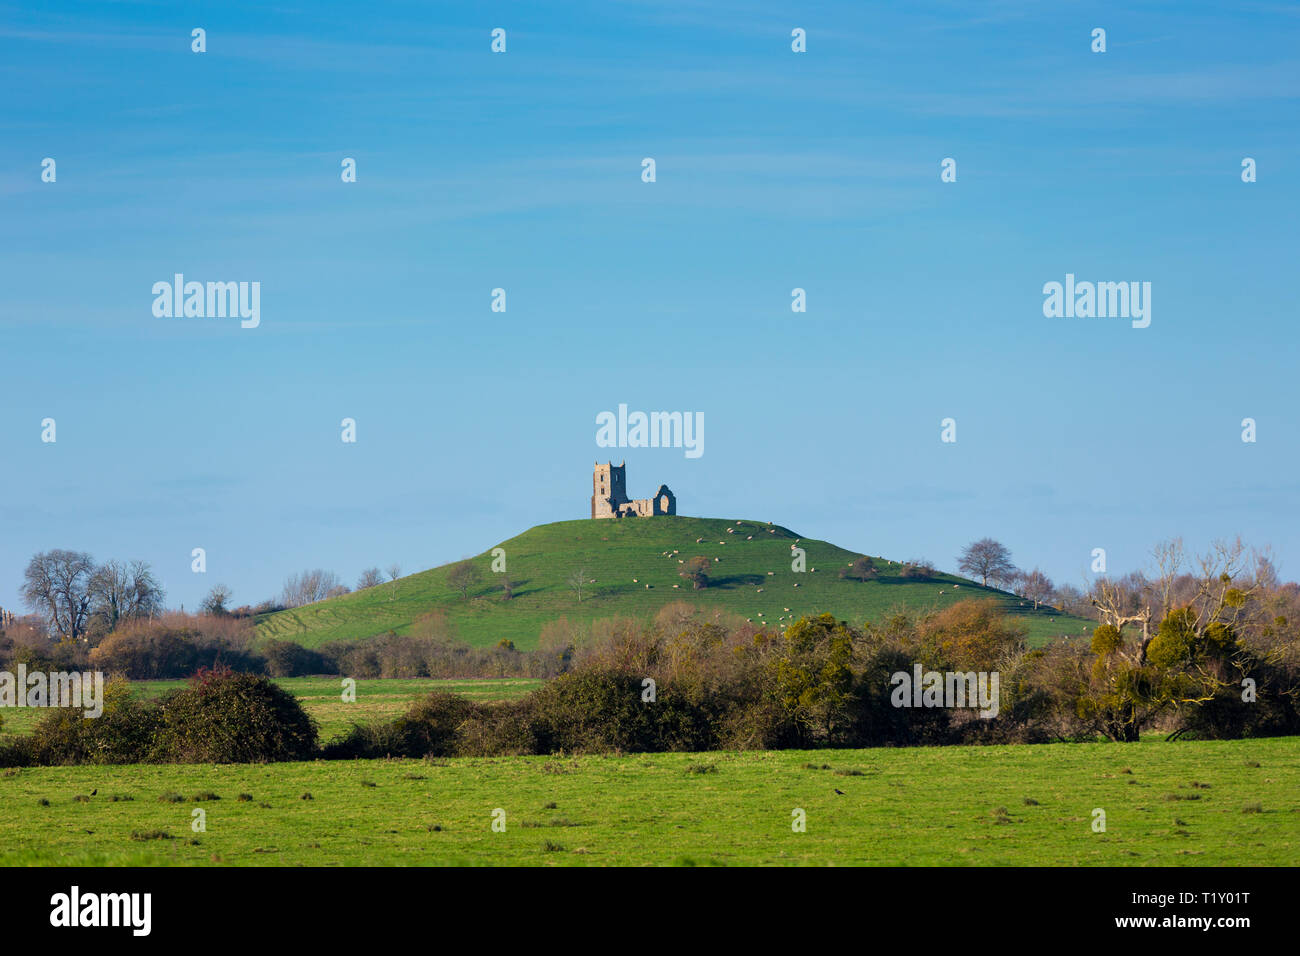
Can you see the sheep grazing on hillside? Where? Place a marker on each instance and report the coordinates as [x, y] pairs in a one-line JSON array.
[[634, 581], [770, 573], [760, 590], [796, 584], [750, 538]]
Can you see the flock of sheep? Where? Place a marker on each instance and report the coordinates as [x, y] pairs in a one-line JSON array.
[[676, 551]]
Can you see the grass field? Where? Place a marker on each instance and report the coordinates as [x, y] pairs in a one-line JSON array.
[[1210, 803], [623, 557], [322, 698]]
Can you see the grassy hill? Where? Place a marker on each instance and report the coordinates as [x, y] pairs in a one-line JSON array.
[[631, 568]]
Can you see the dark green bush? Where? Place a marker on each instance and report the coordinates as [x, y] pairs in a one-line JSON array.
[[228, 717], [500, 730], [598, 711], [430, 727], [374, 739], [123, 733]]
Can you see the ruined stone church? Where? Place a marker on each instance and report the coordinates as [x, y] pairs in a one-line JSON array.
[[609, 495]]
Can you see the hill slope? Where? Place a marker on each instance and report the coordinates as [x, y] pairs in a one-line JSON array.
[[622, 557]]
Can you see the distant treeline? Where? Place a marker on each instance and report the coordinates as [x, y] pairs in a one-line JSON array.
[[1223, 665], [175, 645]]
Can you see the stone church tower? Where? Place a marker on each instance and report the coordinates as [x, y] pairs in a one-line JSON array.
[[609, 495]]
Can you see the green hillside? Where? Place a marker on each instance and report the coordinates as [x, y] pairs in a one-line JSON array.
[[635, 564]]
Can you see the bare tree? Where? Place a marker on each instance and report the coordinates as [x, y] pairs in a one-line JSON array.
[[394, 572], [120, 592], [1169, 557], [217, 601], [862, 569], [696, 570], [1071, 600], [1036, 586], [56, 585], [916, 569], [1119, 606], [463, 576], [577, 582], [986, 559], [309, 587], [370, 577]]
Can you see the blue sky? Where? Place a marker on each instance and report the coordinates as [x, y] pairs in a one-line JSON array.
[[522, 170]]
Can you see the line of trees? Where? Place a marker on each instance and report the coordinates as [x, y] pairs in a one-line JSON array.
[[990, 561], [79, 600]]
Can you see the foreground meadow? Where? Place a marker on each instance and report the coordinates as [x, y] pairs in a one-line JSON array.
[[1231, 803]]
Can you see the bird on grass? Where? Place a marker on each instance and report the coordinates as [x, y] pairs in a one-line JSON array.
[[840, 792]]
